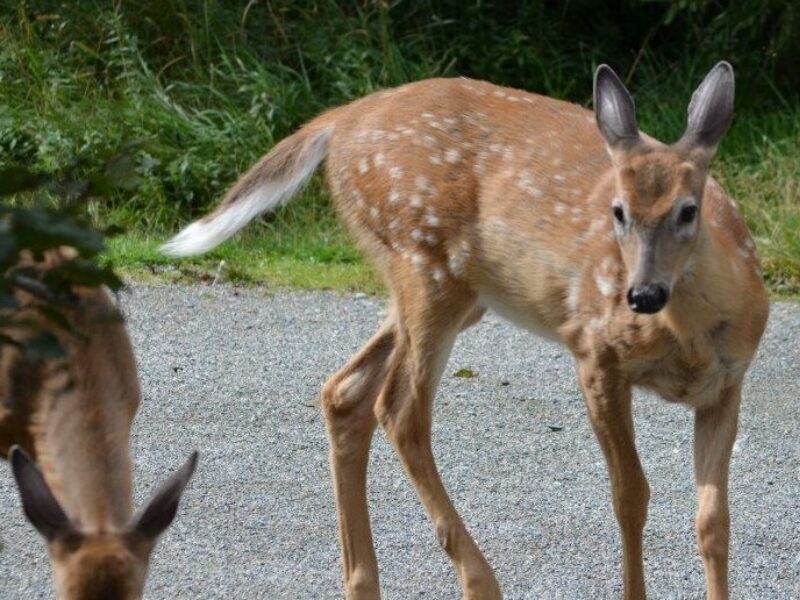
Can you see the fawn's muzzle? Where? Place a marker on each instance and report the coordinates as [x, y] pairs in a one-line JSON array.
[[647, 299]]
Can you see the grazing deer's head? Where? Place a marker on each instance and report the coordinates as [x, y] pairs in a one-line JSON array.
[[97, 565], [658, 205]]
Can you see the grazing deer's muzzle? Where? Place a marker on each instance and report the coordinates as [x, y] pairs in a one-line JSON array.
[[648, 299]]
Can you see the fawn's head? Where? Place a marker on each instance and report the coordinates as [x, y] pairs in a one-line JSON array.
[[658, 202], [97, 565]]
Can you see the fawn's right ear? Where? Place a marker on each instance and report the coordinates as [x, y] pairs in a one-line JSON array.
[[41, 507], [157, 514], [614, 111]]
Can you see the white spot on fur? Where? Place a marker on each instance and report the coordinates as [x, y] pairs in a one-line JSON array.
[[499, 93], [432, 220], [606, 285], [417, 259], [426, 115], [374, 212], [417, 235], [598, 323], [559, 178], [559, 208], [431, 239], [363, 166], [396, 172], [422, 182], [452, 155], [457, 258], [597, 225], [438, 274], [415, 200], [380, 159], [434, 158], [573, 293], [393, 197], [394, 224], [428, 140]]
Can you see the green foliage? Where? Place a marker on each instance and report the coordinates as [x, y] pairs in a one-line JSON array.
[[45, 214], [211, 85]]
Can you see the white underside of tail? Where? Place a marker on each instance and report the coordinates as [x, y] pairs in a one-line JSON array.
[[205, 234]]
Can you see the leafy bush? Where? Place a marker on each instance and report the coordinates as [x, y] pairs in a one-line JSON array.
[[31, 229]]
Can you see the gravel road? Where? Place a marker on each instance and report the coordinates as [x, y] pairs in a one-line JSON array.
[[235, 374]]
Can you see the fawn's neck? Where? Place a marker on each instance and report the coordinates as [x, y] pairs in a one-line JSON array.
[[81, 429], [707, 293]]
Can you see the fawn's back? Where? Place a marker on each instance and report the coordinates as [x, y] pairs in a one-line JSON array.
[[507, 193]]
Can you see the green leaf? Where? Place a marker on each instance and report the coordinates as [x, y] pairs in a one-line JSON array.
[[465, 374], [19, 179], [40, 230], [85, 273], [42, 346], [55, 316], [8, 300]]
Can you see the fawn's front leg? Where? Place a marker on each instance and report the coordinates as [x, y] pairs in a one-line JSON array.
[[714, 434], [608, 398]]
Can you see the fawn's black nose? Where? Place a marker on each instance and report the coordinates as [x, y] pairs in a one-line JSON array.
[[647, 299]]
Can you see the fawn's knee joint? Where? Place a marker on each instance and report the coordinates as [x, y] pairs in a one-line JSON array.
[[445, 535], [340, 395], [712, 534], [361, 586]]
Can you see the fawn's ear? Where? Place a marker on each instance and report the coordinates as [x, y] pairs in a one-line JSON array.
[[614, 111], [710, 110], [160, 510], [41, 507]]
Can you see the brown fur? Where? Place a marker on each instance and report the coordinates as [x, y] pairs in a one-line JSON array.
[[468, 196]]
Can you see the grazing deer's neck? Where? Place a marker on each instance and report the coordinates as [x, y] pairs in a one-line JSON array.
[[81, 427]]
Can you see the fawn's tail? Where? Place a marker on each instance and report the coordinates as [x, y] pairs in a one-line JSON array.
[[272, 181]]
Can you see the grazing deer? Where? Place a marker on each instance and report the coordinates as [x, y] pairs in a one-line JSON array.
[[469, 196], [74, 414]]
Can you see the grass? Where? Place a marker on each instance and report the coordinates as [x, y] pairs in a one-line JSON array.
[[207, 87], [252, 258]]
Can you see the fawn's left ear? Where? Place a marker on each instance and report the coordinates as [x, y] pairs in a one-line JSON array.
[[614, 111], [710, 110], [158, 513], [41, 507]]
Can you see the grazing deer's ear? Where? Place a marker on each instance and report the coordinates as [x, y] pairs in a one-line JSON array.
[[41, 507], [710, 110], [157, 514], [614, 110]]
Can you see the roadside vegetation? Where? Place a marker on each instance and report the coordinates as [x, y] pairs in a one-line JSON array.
[[202, 88]]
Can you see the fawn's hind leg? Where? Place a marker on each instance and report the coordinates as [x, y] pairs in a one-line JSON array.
[[348, 398], [428, 322]]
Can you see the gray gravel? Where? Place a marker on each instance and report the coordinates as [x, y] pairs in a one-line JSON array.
[[235, 373]]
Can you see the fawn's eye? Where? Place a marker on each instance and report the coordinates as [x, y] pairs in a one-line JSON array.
[[619, 214], [687, 215]]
